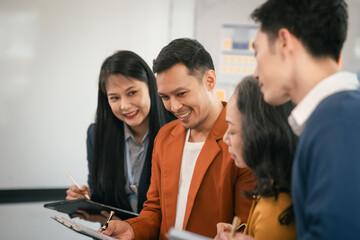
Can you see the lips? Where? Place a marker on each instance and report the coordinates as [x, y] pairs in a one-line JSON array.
[[183, 116], [131, 115], [260, 85], [231, 154]]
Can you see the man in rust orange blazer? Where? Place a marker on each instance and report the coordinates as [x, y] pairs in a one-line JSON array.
[[195, 183]]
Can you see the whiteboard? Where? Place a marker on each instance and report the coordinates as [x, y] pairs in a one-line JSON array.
[[50, 55]]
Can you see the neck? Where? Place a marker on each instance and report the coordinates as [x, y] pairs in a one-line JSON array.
[[139, 131], [310, 73], [200, 133]]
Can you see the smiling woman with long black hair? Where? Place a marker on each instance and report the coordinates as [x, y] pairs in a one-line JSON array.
[[119, 144]]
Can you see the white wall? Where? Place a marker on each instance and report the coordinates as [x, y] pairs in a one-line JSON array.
[[50, 55], [351, 50]]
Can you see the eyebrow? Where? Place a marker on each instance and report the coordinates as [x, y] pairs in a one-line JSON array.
[[228, 122], [174, 91], [128, 89], [253, 45]]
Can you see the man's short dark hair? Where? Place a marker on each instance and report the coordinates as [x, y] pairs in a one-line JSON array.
[[186, 51], [320, 25]]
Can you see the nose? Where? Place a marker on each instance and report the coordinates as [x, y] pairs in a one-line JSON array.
[[175, 105], [226, 138], [256, 73], [125, 104]]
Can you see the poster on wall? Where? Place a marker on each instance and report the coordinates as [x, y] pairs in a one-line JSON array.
[[237, 54]]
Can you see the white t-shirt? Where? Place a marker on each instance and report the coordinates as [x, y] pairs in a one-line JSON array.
[[188, 161]]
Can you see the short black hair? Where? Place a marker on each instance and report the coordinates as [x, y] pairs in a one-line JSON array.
[[268, 142], [321, 25], [186, 51]]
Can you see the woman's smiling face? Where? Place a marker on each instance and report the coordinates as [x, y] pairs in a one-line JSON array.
[[129, 100]]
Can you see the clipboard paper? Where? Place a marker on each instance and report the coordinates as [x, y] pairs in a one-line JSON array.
[[81, 229], [178, 234]]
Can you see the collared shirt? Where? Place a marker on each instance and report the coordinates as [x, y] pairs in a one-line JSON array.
[[338, 82], [137, 159]]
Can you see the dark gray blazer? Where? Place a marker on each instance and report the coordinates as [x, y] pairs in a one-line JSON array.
[[109, 198]]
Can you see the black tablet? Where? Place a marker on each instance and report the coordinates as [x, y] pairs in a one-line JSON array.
[[71, 207]]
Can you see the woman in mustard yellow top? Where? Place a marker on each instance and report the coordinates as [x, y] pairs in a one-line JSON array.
[[260, 138]]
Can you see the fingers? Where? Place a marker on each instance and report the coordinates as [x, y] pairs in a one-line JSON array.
[[224, 236], [109, 230], [227, 227], [222, 227], [73, 193], [105, 213], [84, 188], [238, 236], [119, 229], [113, 226], [76, 193]]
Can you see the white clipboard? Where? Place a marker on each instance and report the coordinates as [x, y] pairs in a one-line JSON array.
[[81, 229], [178, 234]]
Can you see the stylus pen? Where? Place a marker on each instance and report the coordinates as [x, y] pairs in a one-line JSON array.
[[104, 227], [236, 222], [75, 182]]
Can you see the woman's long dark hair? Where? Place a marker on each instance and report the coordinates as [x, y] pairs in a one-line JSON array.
[[268, 142], [107, 169]]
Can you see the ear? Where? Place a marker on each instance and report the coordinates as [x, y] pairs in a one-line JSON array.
[[209, 80], [286, 42]]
